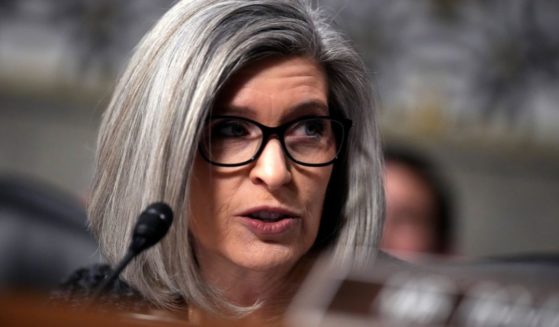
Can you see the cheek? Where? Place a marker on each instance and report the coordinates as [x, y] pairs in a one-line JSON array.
[[316, 192], [202, 201], [199, 187], [210, 195]]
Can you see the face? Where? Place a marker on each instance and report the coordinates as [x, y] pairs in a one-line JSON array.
[[264, 215], [410, 215]]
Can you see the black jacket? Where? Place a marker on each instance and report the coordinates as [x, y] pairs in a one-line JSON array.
[[80, 286]]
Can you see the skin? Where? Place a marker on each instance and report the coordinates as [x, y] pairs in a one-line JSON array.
[[410, 215], [245, 263]]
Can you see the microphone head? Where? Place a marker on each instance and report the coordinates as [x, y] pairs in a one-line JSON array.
[[152, 225]]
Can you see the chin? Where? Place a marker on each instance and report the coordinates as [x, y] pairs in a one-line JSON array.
[[270, 257]]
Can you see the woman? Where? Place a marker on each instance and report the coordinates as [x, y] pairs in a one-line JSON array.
[[238, 114]]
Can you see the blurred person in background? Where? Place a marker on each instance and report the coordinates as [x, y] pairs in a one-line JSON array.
[[418, 218]]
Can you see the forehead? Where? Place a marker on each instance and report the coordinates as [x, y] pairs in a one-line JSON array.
[[406, 186], [280, 83], [279, 67]]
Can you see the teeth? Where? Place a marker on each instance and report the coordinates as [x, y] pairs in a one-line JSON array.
[[267, 215]]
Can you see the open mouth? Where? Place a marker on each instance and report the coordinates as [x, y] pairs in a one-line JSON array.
[[271, 221], [268, 216]]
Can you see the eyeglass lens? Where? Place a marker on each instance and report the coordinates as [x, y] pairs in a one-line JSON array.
[[231, 141]]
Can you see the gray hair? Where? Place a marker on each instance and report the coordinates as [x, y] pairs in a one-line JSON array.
[[149, 134]]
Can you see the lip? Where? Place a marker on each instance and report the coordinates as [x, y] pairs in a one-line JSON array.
[[280, 210], [270, 228]]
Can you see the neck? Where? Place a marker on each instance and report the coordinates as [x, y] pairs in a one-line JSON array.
[[267, 291], [245, 287]]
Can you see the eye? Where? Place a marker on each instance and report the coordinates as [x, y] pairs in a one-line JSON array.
[[226, 128], [314, 127], [310, 127]]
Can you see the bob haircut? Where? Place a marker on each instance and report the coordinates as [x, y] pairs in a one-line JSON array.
[[150, 131]]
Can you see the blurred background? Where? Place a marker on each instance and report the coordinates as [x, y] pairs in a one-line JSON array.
[[472, 85]]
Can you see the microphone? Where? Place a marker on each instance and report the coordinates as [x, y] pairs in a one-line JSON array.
[[153, 223]]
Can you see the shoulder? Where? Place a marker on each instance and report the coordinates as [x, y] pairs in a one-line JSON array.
[[79, 287]]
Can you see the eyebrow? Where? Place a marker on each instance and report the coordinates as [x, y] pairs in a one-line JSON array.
[[306, 108]]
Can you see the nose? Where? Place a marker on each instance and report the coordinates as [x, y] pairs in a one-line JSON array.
[[272, 167]]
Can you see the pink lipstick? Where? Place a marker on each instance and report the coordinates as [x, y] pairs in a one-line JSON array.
[[270, 221]]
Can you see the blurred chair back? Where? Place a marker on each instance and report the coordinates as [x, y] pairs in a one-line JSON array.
[[43, 235]]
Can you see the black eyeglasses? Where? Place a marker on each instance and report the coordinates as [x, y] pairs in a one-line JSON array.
[[232, 141]]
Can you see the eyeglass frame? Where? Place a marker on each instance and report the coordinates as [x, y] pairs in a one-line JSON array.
[[279, 133]]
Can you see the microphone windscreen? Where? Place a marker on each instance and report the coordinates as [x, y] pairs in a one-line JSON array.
[[152, 225]]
